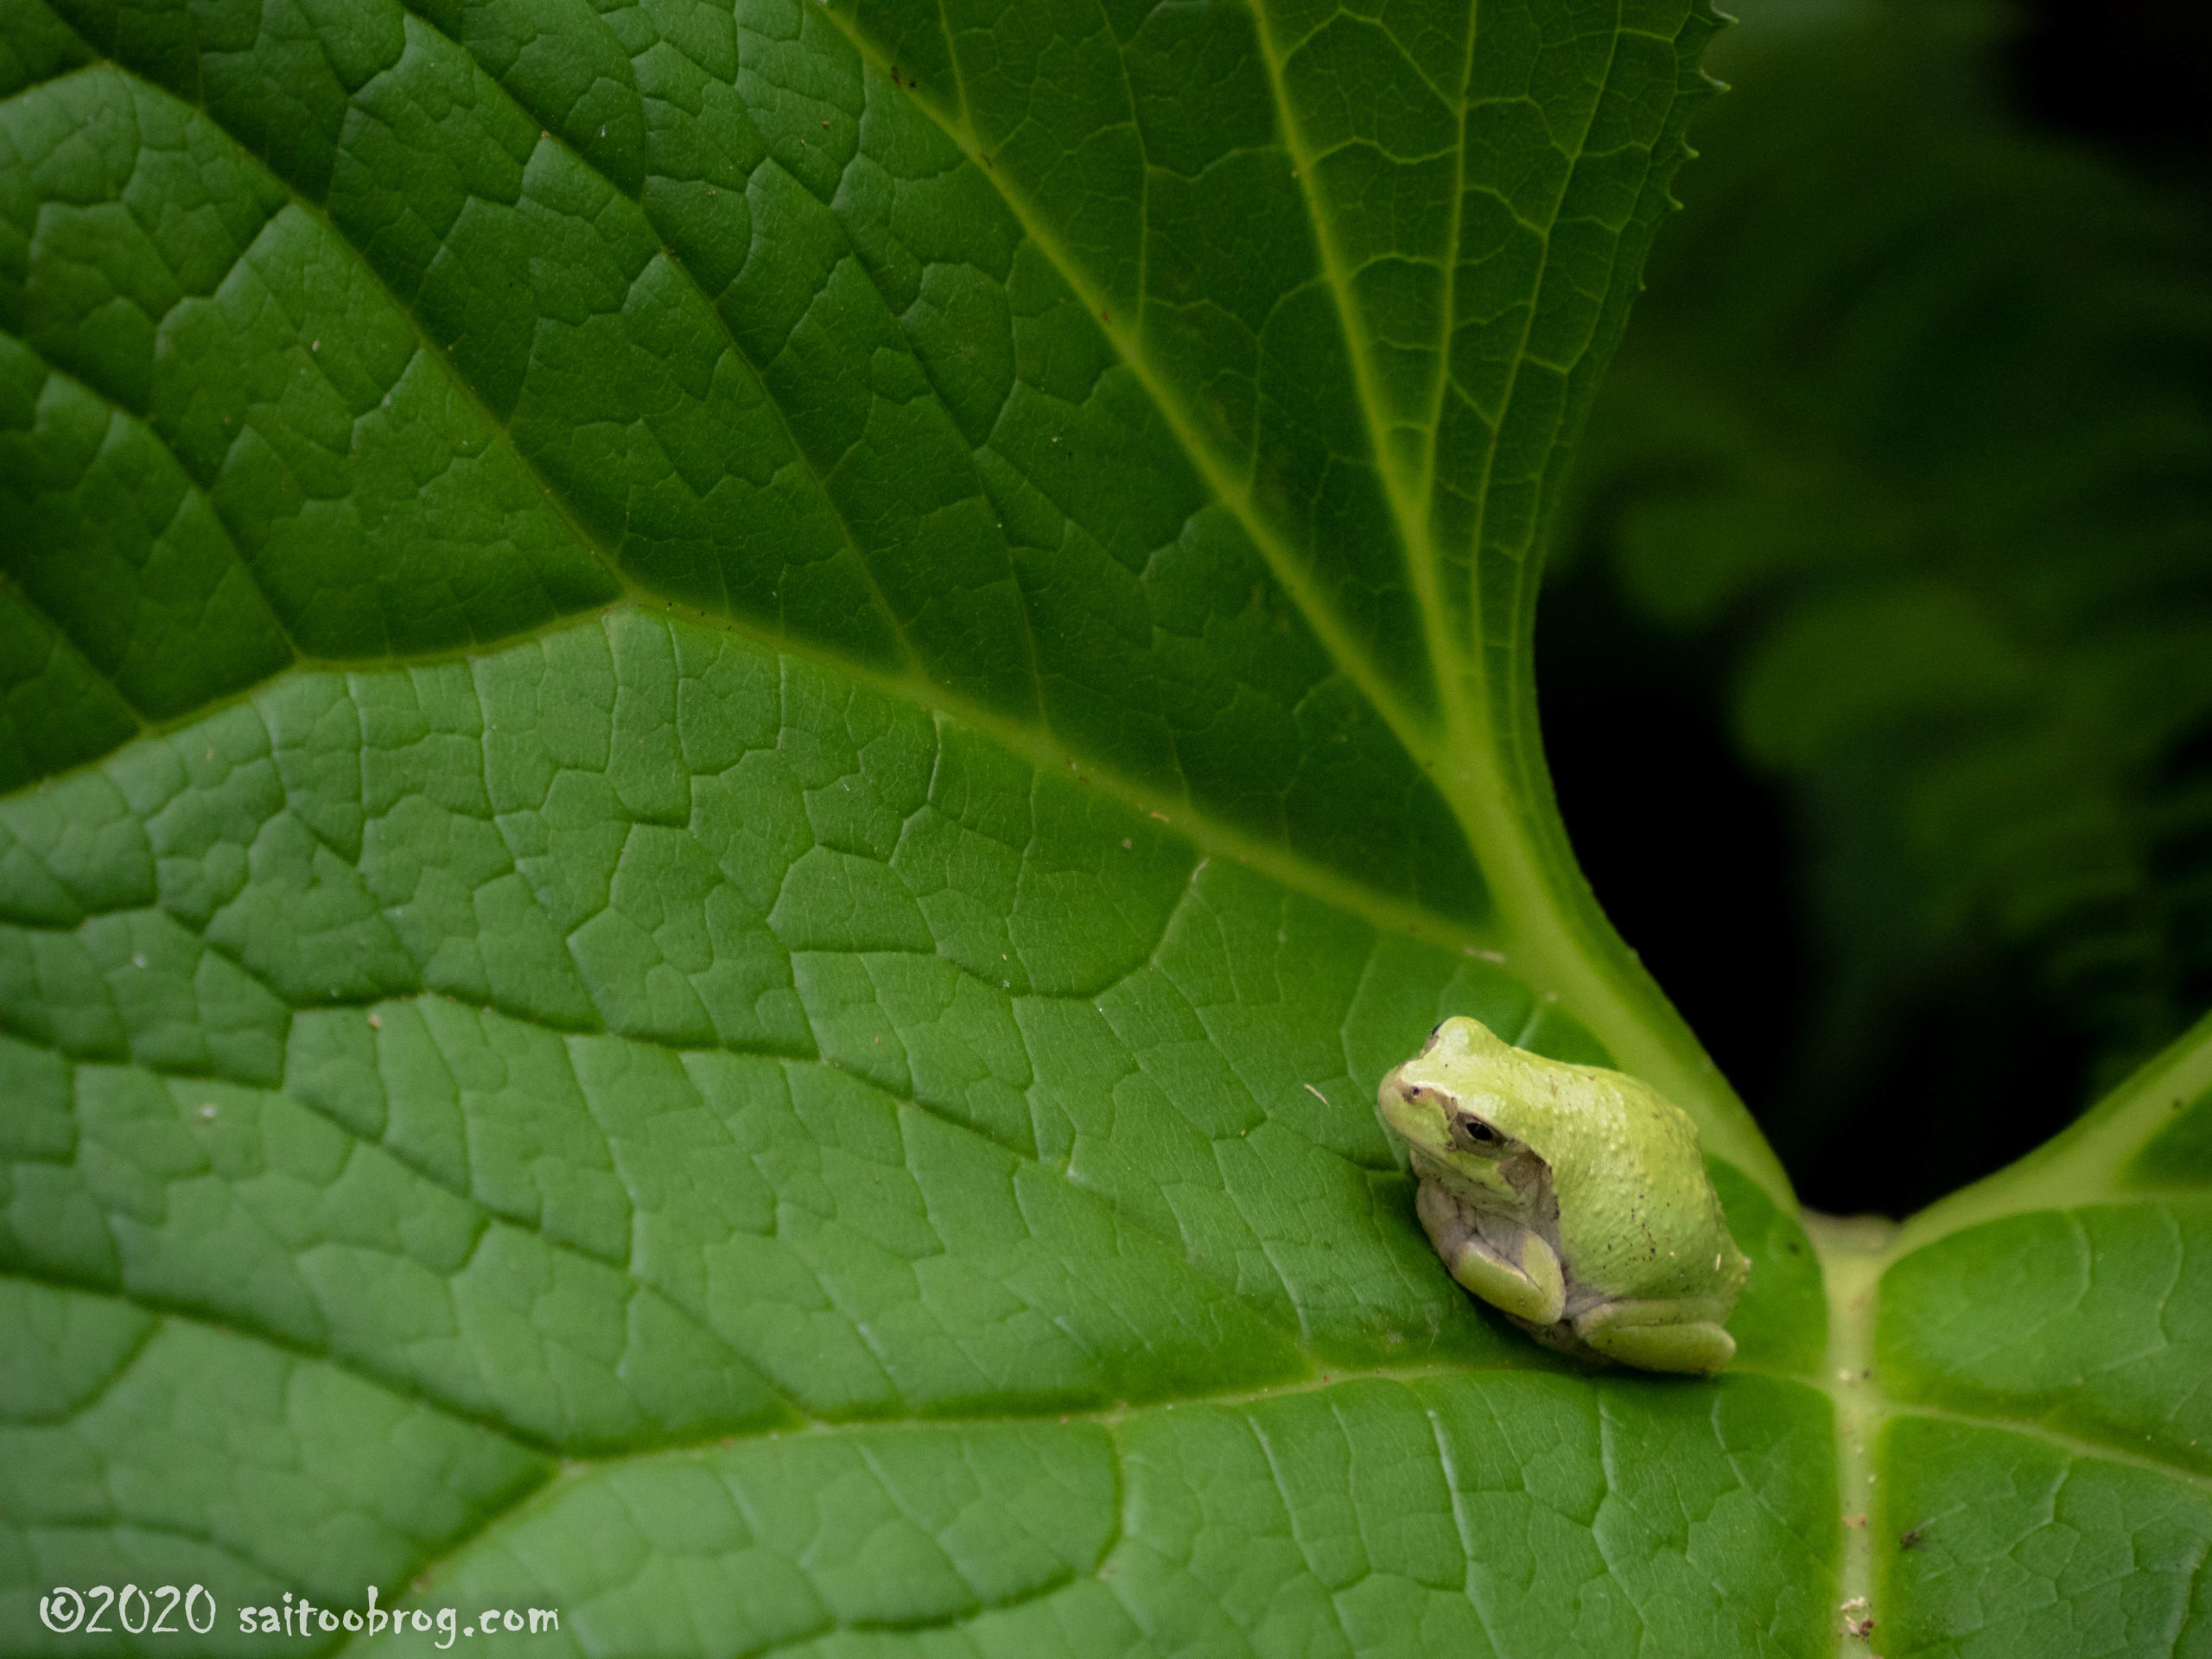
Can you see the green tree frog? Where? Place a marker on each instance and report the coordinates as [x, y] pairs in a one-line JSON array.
[[1572, 1200]]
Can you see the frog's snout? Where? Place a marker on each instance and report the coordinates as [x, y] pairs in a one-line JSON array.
[[1409, 1109], [1386, 1093]]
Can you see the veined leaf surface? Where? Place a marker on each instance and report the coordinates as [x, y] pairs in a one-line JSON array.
[[737, 736]]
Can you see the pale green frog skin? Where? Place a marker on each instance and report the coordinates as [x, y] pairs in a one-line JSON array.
[[1571, 1198]]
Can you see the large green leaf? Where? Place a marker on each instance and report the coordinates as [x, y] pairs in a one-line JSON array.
[[738, 738]]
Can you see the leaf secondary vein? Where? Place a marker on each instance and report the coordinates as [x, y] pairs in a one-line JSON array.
[[166, 1308], [66, 641], [269, 1570], [813, 474], [2074, 1446], [491, 1214], [1481, 493], [2089, 1161], [1444, 645], [1338, 279], [193, 490], [1414, 733]]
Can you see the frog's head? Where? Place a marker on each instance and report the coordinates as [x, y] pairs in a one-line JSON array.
[[1460, 1107]]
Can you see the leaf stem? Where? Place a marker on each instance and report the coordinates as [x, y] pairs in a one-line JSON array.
[[1562, 942]]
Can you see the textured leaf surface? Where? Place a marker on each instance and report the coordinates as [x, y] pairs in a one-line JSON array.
[[737, 737]]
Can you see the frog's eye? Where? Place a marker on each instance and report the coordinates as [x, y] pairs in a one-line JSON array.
[[1472, 1135]]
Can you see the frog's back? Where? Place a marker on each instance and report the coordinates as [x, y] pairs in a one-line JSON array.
[[1638, 1215]]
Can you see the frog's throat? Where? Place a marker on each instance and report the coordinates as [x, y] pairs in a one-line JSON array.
[[1499, 1197]]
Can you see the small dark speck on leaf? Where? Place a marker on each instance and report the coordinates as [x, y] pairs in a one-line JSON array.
[[1911, 1539]]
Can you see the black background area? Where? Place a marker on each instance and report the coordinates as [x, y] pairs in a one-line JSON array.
[[1691, 851]]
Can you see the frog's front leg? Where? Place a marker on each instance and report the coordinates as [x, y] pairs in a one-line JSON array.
[[1509, 1266], [1681, 1334]]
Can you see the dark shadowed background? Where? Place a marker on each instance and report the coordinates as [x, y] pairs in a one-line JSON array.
[[1876, 657]]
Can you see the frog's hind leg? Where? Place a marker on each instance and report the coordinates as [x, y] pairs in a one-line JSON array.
[[1510, 1267], [1658, 1336]]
